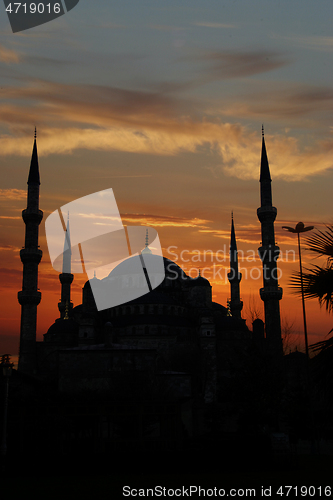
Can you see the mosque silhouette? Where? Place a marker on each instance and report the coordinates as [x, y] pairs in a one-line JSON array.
[[157, 373]]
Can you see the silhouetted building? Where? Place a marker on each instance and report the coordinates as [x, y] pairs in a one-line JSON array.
[[234, 277], [66, 277], [269, 252], [172, 346], [31, 255]]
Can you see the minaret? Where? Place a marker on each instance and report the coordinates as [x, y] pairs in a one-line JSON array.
[[269, 252], [66, 278], [234, 276], [31, 255]]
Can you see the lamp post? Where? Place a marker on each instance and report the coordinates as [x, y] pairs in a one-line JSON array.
[[300, 228], [6, 366]]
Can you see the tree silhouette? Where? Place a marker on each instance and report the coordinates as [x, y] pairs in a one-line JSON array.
[[318, 281]]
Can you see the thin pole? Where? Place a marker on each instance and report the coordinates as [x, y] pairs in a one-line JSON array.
[[308, 395], [303, 302]]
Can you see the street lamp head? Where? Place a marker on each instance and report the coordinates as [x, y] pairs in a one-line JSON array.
[[300, 228]]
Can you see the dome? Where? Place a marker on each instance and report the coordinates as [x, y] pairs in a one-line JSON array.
[[154, 297], [63, 327], [171, 267], [130, 266], [199, 281]]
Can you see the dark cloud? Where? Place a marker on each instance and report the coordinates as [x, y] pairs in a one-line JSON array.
[[97, 104], [285, 103], [170, 87], [222, 65], [314, 96], [226, 64], [111, 105], [46, 61]]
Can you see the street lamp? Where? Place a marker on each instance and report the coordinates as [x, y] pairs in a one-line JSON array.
[[6, 366], [300, 228]]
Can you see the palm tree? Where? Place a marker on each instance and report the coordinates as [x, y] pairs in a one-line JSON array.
[[318, 281]]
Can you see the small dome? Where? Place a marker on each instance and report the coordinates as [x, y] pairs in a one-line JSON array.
[[87, 283], [147, 250], [219, 309], [230, 323]]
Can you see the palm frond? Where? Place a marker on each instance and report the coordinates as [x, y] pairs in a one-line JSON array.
[[317, 283], [322, 242], [323, 345]]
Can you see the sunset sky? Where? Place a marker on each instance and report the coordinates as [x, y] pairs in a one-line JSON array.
[[163, 102]]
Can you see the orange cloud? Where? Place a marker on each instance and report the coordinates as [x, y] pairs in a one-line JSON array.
[[12, 194], [8, 56], [163, 221], [9, 247], [110, 119]]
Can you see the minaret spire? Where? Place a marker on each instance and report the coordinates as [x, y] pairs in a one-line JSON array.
[[66, 278], [31, 255], [233, 244], [234, 276], [67, 254], [34, 167], [265, 177], [269, 252], [146, 250]]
